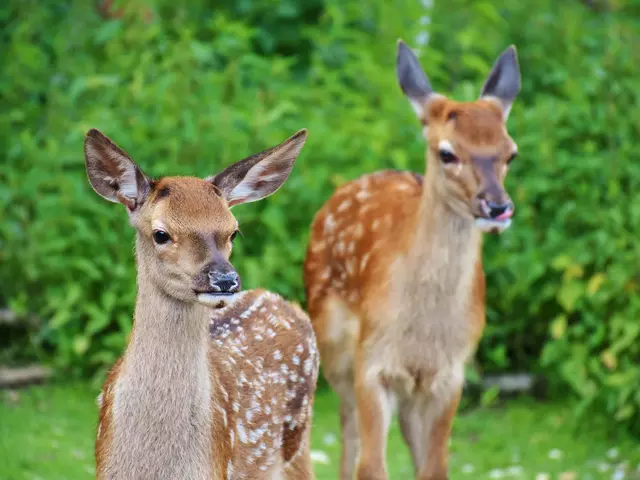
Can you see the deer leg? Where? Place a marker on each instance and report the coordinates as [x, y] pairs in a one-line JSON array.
[[349, 424], [374, 415], [411, 426], [300, 467], [437, 424]]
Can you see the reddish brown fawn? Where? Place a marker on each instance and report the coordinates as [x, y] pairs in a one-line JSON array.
[[215, 382], [394, 277]]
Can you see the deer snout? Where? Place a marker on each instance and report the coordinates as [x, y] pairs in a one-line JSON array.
[[493, 212], [497, 211], [224, 282], [494, 206]]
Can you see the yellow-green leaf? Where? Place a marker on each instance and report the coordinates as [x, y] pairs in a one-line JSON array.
[[569, 294], [573, 271], [609, 359], [80, 344], [561, 262], [559, 326], [595, 283]]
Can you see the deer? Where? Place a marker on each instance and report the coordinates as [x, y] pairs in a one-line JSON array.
[[215, 382], [393, 274]]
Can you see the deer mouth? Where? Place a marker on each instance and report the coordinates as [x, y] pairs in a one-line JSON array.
[[494, 220], [216, 299], [492, 225]]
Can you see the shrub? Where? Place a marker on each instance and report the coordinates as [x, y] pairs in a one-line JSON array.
[[190, 90]]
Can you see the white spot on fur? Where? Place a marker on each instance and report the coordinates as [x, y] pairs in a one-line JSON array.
[[242, 433], [308, 365], [329, 224], [362, 195], [343, 206], [363, 262], [224, 415], [229, 470]]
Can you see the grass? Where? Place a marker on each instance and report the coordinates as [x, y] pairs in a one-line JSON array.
[[48, 433]]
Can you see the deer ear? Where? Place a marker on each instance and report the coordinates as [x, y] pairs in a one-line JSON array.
[[112, 173], [503, 83], [259, 175], [412, 79]]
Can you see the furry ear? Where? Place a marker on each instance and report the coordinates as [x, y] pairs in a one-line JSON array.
[[412, 79], [503, 83], [259, 175], [112, 173]]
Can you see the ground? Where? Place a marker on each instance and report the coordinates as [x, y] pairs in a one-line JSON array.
[[47, 433]]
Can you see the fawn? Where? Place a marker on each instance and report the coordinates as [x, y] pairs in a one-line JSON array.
[[394, 278], [215, 382]]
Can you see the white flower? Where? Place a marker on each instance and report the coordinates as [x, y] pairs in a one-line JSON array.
[[318, 456], [555, 454], [329, 439], [613, 453]]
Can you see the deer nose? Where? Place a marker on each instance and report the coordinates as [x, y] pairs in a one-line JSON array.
[[227, 282], [499, 211]]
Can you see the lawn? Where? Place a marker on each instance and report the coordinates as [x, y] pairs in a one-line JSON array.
[[48, 432]]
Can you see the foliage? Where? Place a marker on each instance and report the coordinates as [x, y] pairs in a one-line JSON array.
[[190, 89], [48, 430]]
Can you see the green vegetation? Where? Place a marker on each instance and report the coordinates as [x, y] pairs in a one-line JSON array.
[[189, 89], [47, 433]]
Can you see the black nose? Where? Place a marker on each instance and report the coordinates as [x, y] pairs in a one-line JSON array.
[[498, 209], [228, 282]]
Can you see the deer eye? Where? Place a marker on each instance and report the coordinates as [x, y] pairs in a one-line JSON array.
[[233, 236], [447, 157], [161, 237], [512, 157]]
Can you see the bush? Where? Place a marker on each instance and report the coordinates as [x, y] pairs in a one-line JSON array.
[[190, 90]]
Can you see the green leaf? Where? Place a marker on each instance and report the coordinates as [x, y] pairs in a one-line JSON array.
[[569, 294]]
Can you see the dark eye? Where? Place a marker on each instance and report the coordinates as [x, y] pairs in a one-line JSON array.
[[447, 157], [161, 237], [511, 158], [233, 236]]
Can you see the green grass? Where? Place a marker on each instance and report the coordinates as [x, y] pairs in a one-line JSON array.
[[48, 433]]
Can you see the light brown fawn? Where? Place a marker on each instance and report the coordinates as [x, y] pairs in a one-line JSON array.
[[394, 277], [215, 383]]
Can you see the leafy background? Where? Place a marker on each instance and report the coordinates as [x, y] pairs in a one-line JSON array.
[[189, 88]]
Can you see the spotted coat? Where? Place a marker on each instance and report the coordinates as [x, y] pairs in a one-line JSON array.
[[264, 366]]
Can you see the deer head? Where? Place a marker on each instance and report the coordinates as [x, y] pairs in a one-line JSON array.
[[469, 149], [185, 228]]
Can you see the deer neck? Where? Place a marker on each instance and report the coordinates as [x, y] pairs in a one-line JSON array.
[[162, 404], [169, 339], [442, 258]]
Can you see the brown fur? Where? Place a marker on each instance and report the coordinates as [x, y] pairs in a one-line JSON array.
[[396, 289], [201, 392]]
